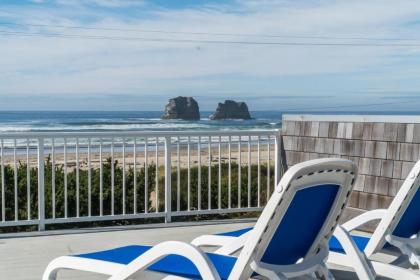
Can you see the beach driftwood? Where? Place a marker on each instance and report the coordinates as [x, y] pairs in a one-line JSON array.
[[183, 108], [231, 110]]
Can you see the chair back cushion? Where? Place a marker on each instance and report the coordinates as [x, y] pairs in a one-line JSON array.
[[300, 226], [409, 223]]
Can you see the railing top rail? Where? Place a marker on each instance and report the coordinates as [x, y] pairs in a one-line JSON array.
[[354, 118], [85, 134]]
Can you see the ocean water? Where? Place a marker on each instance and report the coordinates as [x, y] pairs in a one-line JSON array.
[[21, 121], [24, 121], [48, 121]]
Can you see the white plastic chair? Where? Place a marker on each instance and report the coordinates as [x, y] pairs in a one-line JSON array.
[[289, 239], [398, 228]]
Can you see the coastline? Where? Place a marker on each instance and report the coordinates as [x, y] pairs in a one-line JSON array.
[[140, 157]]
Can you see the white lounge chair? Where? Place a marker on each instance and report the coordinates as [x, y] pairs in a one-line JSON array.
[[399, 228], [289, 239]]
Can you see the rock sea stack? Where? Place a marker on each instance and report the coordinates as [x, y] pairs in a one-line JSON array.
[[231, 110], [181, 108]]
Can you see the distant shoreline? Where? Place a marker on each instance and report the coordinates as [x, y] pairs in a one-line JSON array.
[[118, 156]]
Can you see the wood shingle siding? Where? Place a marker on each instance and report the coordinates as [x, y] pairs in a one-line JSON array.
[[385, 148]]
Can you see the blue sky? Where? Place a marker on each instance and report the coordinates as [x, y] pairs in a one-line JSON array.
[[50, 73]]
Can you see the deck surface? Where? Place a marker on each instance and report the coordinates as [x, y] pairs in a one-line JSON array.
[[24, 258]]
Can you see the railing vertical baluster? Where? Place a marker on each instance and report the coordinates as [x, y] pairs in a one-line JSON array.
[[65, 178], [277, 159], [41, 185], [189, 174], [157, 175], [219, 182], [135, 175], [230, 172], [77, 180], [178, 176], [112, 178], [268, 167], [28, 182], [123, 178], [199, 173], [89, 179], [239, 171], [53, 177], [258, 172], [15, 176], [249, 171], [168, 170], [101, 181], [3, 199], [209, 175], [146, 177]]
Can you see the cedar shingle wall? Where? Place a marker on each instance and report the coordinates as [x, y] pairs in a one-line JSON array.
[[384, 153]]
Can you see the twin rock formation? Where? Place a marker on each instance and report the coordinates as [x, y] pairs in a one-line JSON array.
[[186, 108]]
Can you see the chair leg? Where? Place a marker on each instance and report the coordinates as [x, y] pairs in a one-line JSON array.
[[350, 262], [408, 246], [50, 275], [352, 256], [324, 273], [394, 272], [415, 260]]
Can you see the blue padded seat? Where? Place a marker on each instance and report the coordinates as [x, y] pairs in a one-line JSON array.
[[361, 243], [235, 233], [335, 246], [172, 264]]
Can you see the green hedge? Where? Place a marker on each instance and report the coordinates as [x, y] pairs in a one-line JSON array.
[[129, 179]]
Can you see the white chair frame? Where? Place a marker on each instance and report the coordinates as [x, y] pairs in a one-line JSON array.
[[353, 257], [307, 174], [389, 219]]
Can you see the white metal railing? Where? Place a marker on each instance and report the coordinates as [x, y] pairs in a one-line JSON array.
[[64, 177]]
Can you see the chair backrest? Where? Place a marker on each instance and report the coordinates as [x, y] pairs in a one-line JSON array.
[[403, 215], [300, 216]]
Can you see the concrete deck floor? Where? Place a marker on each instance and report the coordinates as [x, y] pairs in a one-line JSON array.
[[24, 258]]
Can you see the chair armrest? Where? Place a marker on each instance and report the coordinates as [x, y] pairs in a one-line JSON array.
[[228, 244], [189, 251], [364, 218], [360, 262], [398, 242], [407, 246], [213, 240], [233, 247]]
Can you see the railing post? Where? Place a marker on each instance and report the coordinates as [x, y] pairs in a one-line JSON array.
[[168, 183], [278, 158], [41, 185]]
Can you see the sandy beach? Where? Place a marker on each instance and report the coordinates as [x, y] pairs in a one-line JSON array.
[[71, 158]]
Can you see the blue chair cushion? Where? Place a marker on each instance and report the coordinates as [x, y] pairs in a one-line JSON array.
[[235, 233], [301, 224], [287, 248], [172, 264], [335, 246], [361, 243], [409, 223]]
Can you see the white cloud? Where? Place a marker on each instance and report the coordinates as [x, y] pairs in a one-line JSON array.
[[38, 65], [102, 3]]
